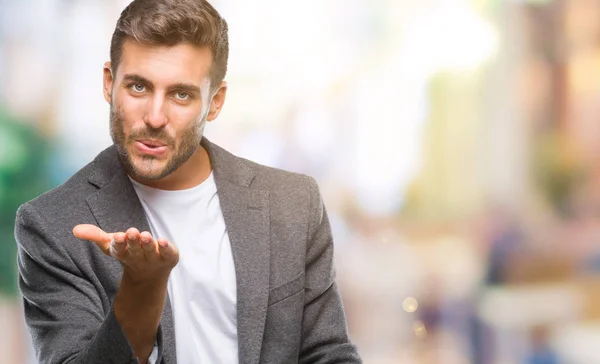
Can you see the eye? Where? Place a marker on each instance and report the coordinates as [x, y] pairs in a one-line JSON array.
[[183, 96], [137, 87]]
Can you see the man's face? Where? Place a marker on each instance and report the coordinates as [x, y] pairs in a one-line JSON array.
[[159, 103]]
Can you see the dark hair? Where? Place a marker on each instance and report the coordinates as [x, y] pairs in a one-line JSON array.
[[170, 22]]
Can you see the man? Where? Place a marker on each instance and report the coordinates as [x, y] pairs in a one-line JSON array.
[[198, 256]]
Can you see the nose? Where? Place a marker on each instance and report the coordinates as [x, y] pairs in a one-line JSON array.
[[156, 116]]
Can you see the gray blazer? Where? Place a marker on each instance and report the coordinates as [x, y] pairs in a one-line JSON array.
[[288, 306]]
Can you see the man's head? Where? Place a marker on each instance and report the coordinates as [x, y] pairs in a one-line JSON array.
[[164, 81]]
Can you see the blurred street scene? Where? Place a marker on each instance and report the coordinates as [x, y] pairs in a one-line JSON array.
[[456, 144]]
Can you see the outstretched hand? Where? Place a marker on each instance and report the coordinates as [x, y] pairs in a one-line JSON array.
[[141, 255]]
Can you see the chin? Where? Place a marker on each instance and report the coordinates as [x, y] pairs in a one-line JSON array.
[[148, 168], [149, 175]]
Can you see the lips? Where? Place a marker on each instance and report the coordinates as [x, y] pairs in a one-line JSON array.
[[152, 143], [151, 147]]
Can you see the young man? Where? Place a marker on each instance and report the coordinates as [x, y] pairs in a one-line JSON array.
[[198, 256]]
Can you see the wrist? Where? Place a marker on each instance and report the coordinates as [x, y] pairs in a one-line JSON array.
[[146, 281]]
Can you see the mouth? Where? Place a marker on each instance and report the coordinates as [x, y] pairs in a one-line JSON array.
[[151, 143], [150, 146]]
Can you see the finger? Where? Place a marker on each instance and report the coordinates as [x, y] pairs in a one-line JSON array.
[[149, 245], [133, 242], [95, 235], [167, 250], [92, 233], [118, 247]]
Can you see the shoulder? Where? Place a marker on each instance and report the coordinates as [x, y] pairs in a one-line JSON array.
[[281, 182], [70, 192], [66, 202], [245, 172], [293, 196], [276, 179]]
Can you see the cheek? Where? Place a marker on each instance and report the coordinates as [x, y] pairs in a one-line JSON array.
[[131, 111], [183, 119], [184, 112], [132, 105]]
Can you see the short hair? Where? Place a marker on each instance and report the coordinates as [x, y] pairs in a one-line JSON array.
[[171, 22]]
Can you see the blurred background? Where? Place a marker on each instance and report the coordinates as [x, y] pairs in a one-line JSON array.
[[456, 143]]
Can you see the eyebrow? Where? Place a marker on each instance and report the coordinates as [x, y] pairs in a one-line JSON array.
[[178, 86]]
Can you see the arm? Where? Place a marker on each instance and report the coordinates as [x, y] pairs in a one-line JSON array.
[[324, 331], [138, 307], [140, 300], [62, 308]]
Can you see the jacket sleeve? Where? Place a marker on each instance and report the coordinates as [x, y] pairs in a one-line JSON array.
[[324, 330], [63, 310]]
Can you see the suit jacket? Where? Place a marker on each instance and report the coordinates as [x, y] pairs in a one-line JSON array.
[[288, 306]]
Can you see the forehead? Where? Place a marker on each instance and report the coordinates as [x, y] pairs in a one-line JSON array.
[[181, 63]]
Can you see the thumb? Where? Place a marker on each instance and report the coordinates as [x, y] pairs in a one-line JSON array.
[[92, 233]]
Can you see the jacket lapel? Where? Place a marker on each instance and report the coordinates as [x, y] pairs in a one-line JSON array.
[[246, 214], [116, 206]]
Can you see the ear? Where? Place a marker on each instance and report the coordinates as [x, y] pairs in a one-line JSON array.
[[217, 102], [108, 82]]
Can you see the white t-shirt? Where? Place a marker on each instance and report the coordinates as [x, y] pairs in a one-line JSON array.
[[202, 287]]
